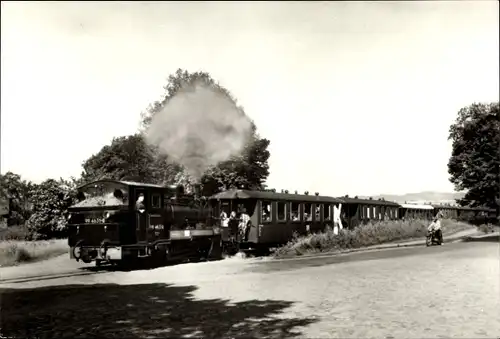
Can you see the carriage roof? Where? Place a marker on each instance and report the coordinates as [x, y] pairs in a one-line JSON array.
[[263, 195], [483, 209], [348, 200], [444, 206], [417, 206], [464, 208]]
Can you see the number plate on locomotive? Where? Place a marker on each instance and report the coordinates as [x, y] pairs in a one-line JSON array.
[[95, 220], [156, 227]]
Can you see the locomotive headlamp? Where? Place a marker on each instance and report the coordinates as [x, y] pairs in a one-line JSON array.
[[109, 214], [69, 217]]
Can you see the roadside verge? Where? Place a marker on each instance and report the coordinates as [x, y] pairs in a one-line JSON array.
[[450, 238]]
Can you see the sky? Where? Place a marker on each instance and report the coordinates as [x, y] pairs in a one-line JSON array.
[[355, 97]]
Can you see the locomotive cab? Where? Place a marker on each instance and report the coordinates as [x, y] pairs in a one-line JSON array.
[[101, 217]]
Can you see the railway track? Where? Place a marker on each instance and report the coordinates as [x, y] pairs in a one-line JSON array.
[[46, 277]]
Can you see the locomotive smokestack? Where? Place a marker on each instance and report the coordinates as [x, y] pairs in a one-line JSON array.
[[179, 191]]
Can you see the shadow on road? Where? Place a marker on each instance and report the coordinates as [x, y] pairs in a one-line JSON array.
[[136, 311]]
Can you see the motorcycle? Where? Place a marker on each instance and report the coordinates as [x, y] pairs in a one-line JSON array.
[[433, 238]]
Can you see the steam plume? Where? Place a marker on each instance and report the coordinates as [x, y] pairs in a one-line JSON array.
[[198, 128]]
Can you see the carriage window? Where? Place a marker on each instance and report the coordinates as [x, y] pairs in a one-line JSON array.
[[156, 201], [294, 211], [308, 212], [266, 211], [373, 213], [327, 211], [367, 212], [281, 211]]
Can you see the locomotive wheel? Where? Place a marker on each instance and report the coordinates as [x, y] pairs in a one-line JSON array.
[[77, 250], [160, 256], [216, 249], [220, 250], [126, 264], [230, 249], [201, 254], [262, 251], [206, 253]]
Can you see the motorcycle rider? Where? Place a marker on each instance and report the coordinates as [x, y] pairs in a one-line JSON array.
[[436, 227]]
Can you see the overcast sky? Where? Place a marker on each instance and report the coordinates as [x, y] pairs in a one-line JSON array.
[[356, 98]]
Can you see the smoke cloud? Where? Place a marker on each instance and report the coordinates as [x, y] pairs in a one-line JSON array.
[[198, 128]]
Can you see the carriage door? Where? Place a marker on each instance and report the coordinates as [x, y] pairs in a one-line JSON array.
[[141, 214]]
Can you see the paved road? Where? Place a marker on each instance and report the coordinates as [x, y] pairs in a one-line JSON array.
[[62, 265], [447, 291]]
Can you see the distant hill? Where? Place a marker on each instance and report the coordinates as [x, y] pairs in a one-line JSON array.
[[429, 196]]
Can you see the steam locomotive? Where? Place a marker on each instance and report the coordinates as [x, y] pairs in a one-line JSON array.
[[123, 221]]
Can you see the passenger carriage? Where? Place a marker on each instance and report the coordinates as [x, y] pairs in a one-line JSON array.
[[474, 215], [274, 217], [120, 221], [357, 211], [446, 211], [416, 211]]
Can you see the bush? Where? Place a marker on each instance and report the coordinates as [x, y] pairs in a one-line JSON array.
[[488, 228], [13, 252], [366, 235], [51, 200]]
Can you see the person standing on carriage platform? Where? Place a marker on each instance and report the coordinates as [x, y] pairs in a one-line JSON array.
[[244, 223], [224, 220]]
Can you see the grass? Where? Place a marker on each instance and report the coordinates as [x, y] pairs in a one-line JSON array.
[[364, 236], [14, 250]]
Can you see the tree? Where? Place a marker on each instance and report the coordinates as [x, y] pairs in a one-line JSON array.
[[16, 192], [51, 200], [248, 170], [475, 160], [129, 158]]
